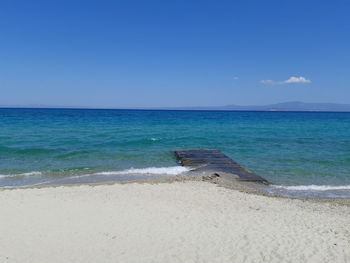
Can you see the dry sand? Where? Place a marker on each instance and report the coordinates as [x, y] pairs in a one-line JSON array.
[[190, 221]]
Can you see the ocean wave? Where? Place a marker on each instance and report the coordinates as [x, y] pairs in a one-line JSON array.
[[21, 174], [149, 171], [172, 170], [153, 139], [313, 187]]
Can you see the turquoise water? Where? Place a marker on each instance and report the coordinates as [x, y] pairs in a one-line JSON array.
[[287, 148]]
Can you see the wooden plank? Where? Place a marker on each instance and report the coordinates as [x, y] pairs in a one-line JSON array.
[[213, 160]]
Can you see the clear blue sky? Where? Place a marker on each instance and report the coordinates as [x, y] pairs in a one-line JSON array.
[[174, 53]]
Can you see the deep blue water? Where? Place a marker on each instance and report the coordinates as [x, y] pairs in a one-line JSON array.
[[287, 148]]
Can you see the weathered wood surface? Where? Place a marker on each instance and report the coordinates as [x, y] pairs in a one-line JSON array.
[[215, 161]]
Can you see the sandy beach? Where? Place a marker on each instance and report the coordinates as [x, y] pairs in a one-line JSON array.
[[191, 221]]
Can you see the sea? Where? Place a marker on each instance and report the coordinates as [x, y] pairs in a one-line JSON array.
[[302, 154]]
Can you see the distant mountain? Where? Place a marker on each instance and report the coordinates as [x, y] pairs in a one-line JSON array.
[[285, 106]]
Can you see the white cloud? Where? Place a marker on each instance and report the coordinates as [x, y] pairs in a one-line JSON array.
[[291, 80], [296, 80], [236, 78]]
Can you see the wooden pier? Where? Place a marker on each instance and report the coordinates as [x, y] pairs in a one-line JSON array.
[[213, 160]]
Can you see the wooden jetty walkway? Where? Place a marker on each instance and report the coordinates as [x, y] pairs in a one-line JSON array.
[[215, 161]]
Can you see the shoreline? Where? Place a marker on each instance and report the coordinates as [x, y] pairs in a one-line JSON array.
[[233, 184]]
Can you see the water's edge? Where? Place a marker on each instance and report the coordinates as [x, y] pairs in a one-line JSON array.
[[169, 174]]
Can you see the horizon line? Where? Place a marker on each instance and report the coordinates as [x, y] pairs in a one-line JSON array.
[[172, 109]]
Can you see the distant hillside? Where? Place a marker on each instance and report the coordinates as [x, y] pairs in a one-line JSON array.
[[285, 106]]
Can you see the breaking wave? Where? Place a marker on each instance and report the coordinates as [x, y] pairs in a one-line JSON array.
[[313, 187], [21, 174], [173, 170]]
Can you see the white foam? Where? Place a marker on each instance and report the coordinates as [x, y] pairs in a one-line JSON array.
[[31, 173], [172, 170], [313, 187], [20, 175]]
